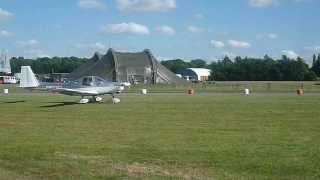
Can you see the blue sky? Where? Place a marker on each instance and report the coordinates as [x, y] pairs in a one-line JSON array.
[[207, 29]]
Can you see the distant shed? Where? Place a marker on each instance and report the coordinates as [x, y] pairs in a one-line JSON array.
[[196, 74]]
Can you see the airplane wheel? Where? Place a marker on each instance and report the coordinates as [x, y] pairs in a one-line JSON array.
[[115, 100], [84, 101], [98, 99]]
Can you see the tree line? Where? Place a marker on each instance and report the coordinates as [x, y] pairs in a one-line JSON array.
[[47, 65], [253, 69], [226, 69]]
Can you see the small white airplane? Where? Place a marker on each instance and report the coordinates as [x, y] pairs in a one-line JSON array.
[[86, 86]]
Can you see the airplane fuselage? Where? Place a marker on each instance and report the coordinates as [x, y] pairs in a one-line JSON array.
[[89, 91]]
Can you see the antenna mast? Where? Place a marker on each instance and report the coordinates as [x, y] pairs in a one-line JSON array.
[[5, 62]]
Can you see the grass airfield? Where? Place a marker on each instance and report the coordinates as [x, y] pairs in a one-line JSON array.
[[161, 136]]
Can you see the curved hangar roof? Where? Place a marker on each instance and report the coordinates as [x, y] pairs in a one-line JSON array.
[[141, 67], [201, 71]]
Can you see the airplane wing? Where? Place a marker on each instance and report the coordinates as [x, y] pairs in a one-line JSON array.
[[75, 92]]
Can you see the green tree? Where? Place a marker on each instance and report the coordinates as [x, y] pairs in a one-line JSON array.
[[198, 63], [316, 65], [47, 65], [176, 65]]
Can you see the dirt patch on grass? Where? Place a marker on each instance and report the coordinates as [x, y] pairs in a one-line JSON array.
[[61, 155], [105, 166], [10, 175], [147, 170]]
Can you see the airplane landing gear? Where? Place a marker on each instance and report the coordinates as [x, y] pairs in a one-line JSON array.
[[115, 100], [83, 100], [97, 99]]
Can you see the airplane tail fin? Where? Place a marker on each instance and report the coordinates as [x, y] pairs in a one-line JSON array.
[[28, 78]]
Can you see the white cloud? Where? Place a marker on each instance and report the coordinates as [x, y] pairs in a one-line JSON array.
[[32, 48], [146, 5], [267, 36], [92, 4], [272, 36], [98, 45], [126, 28], [58, 27], [195, 29], [314, 48], [217, 44], [262, 3], [239, 44], [290, 54], [93, 46], [4, 33], [37, 53], [299, 1], [317, 48], [229, 54], [268, 3], [29, 43], [164, 58], [199, 16], [166, 30], [4, 15]]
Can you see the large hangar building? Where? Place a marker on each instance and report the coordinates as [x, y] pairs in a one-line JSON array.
[[140, 67]]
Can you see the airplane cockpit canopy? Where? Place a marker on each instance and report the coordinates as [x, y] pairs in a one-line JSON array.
[[86, 81], [92, 81]]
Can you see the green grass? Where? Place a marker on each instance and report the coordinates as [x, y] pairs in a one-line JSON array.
[[254, 86], [218, 87], [160, 137]]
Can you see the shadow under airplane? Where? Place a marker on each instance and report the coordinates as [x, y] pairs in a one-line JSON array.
[[13, 102], [59, 104]]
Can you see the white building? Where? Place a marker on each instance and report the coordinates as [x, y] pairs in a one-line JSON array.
[[196, 74]]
